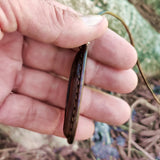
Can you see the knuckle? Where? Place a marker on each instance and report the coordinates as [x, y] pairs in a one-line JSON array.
[[92, 69]]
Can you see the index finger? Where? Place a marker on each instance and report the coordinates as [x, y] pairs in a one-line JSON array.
[[110, 49]]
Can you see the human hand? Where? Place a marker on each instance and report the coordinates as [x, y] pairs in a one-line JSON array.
[[36, 44]]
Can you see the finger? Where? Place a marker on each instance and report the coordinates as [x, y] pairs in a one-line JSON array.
[[25, 112], [58, 60], [103, 107], [113, 50], [47, 57], [41, 86], [46, 87], [120, 81], [50, 22], [53, 90], [119, 55]]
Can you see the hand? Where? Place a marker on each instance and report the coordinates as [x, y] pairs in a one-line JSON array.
[[36, 44]]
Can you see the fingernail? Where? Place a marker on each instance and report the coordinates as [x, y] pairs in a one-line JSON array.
[[92, 20]]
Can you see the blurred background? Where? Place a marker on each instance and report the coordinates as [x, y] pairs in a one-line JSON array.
[[137, 139]]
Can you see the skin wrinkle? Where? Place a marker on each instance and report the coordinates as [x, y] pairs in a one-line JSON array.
[[62, 94], [1, 33], [90, 66], [96, 70], [35, 85], [19, 79], [55, 22], [66, 15], [66, 67], [3, 102], [18, 57], [35, 115], [55, 3], [48, 93], [3, 16], [18, 7], [58, 121], [88, 103], [16, 60], [60, 16], [4, 113], [27, 45], [30, 48], [55, 59], [9, 23], [9, 70], [54, 87], [26, 52], [62, 102], [27, 118], [90, 106], [59, 13]]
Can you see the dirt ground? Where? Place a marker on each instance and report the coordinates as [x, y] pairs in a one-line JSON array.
[[148, 13]]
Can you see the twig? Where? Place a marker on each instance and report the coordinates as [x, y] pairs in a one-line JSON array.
[[8, 149], [156, 138], [91, 152], [146, 103], [139, 148], [136, 103], [142, 150]]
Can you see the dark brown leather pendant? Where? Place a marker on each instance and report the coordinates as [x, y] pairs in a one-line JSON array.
[[74, 94]]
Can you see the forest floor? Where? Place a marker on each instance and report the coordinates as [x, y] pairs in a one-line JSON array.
[[143, 143], [147, 12]]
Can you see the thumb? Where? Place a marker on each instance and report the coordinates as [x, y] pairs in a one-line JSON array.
[[50, 22]]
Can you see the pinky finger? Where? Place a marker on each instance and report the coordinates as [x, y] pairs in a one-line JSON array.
[[28, 113]]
